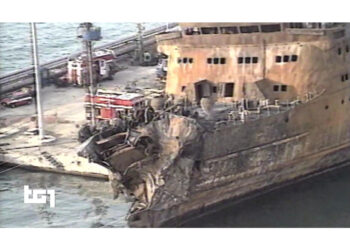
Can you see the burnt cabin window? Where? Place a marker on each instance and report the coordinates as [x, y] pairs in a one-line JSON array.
[[347, 48], [247, 59], [216, 60], [255, 60], [249, 29], [285, 58], [284, 88], [346, 77], [215, 89], [228, 90], [278, 59], [190, 60], [209, 30], [276, 88], [339, 51], [183, 88], [179, 60], [184, 60], [228, 30], [294, 58], [240, 60], [270, 28]]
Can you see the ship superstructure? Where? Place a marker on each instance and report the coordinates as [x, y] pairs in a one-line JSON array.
[[247, 106]]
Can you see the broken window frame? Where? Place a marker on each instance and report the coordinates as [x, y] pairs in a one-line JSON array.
[[229, 89], [276, 88], [229, 30], [284, 88], [209, 30]]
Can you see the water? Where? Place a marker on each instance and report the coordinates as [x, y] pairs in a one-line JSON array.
[[55, 40], [80, 202], [323, 201]]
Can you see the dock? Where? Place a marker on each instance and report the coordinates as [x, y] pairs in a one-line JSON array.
[[64, 114]]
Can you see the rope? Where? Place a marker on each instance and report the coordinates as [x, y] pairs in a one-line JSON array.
[[11, 168]]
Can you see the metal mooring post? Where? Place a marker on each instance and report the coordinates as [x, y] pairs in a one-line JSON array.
[[37, 81]]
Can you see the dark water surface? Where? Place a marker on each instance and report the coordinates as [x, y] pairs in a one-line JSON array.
[[323, 201]]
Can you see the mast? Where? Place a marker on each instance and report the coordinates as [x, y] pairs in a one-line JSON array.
[[37, 82], [140, 29], [88, 33]]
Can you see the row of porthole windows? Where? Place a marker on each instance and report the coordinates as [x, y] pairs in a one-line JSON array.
[[342, 102], [185, 60], [216, 60], [247, 60], [240, 60], [345, 77], [286, 58]]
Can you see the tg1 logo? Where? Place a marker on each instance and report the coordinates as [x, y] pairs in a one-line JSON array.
[[38, 195]]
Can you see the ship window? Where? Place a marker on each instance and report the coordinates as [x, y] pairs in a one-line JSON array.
[[190, 60], [326, 107], [189, 31], [278, 59], [228, 30], [179, 60], [342, 101], [216, 60], [346, 77], [342, 78], [285, 58], [184, 60], [255, 60], [183, 88], [339, 51], [229, 89], [276, 88], [294, 58], [270, 28], [222, 60], [240, 60], [209, 61], [347, 48], [284, 88], [209, 30], [215, 89], [247, 60], [249, 29]]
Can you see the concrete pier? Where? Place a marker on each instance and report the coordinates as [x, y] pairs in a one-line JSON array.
[[64, 114]]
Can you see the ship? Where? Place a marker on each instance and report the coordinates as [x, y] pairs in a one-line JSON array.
[[246, 107]]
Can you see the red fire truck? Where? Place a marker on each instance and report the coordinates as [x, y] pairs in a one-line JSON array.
[[110, 104], [104, 67]]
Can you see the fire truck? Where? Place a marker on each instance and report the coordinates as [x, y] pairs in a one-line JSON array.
[[104, 67], [111, 104]]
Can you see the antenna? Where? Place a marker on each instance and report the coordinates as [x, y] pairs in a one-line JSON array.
[[88, 33]]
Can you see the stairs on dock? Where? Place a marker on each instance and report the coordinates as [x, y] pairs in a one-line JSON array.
[[52, 159]]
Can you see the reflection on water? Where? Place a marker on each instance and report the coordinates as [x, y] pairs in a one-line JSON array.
[[80, 202], [323, 201]]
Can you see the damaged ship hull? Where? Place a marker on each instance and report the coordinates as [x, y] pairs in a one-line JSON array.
[[281, 114]]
